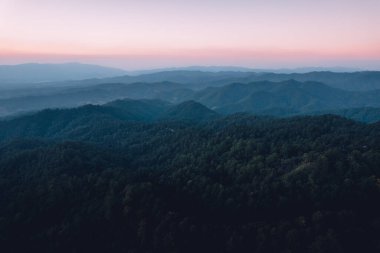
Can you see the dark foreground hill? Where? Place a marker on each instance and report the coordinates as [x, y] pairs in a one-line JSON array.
[[88, 180]]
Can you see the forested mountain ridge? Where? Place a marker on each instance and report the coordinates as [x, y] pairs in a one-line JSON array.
[[233, 184], [170, 167], [293, 96], [264, 97], [66, 123], [98, 94], [189, 110], [355, 81], [364, 114]]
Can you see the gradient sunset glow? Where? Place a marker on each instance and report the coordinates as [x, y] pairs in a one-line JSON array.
[[167, 33]]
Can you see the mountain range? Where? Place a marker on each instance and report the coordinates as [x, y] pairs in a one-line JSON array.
[[190, 165], [32, 74], [70, 122], [195, 79], [272, 98], [77, 74], [224, 90]]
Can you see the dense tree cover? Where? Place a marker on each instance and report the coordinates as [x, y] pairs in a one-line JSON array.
[[95, 182], [283, 98], [363, 114]]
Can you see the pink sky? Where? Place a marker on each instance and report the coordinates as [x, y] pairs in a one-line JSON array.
[[165, 33]]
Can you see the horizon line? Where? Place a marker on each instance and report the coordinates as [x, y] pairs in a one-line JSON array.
[[193, 67]]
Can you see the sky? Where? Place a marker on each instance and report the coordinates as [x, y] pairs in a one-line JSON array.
[[143, 34]]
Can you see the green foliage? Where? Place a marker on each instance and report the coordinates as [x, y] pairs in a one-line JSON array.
[[96, 182]]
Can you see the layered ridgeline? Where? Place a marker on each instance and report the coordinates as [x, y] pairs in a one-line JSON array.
[[288, 96], [193, 79], [228, 91], [31, 74], [68, 123], [357, 81], [149, 176], [284, 98]]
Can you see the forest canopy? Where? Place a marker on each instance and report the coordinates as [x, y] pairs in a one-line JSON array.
[[101, 182]]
